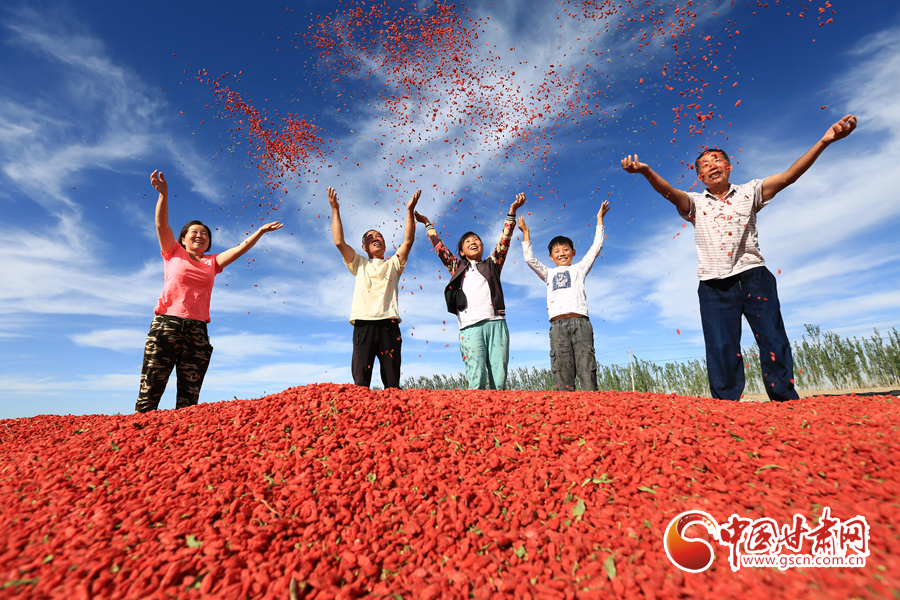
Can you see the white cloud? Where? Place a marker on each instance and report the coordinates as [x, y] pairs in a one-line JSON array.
[[50, 272], [229, 347], [871, 88], [524, 340], [436, 166], [232, 348], [843, 310], [53, 143], [24, 385], [273, 377], [202, 179], [120, 340]]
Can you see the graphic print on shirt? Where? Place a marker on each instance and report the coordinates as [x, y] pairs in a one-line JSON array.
[[562, 281]]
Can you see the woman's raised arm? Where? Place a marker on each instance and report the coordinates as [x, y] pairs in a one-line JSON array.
[[232, 254], [163, 231]]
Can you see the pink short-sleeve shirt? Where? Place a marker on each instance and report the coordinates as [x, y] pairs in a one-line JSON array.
[[188, 286], [725, 230]]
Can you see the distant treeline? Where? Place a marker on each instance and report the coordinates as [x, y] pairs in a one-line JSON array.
[[821, 361]]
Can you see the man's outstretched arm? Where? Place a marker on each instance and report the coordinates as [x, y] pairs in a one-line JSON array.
[[775, 183], [337, 228], [677, 197]]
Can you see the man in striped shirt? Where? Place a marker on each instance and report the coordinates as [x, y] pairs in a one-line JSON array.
[[734, 280]]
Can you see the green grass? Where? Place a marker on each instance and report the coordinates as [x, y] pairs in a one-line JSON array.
[[821, 361]]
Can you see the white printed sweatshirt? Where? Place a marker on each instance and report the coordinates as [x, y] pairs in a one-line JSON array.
[[565, 285]]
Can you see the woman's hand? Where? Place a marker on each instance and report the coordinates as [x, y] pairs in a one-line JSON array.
[[271, 227], [158, 181], [633, 165]]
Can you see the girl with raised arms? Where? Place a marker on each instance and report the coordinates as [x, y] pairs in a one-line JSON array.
[[475, 296]]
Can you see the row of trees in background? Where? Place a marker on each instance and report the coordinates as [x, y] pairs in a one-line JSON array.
[[821, 361]]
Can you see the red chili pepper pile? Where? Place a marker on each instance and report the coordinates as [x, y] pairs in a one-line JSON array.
[[435, 494]]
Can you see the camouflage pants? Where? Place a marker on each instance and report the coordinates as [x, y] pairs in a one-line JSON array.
[[177, 343]]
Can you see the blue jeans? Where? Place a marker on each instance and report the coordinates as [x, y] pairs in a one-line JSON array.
[[722, 302]]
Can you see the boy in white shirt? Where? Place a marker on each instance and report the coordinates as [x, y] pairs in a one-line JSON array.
[[571, 333]]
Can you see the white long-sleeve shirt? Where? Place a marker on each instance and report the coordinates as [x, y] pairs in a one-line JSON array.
[[478, 297], [565, 285]]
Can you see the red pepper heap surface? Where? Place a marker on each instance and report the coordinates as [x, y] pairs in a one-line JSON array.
[[436, 494]]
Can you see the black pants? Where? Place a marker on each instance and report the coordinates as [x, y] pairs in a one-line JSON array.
[[376, 338]]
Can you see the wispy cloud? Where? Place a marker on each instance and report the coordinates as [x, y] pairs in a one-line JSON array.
[[871, 88], [273, 378], [106, 115], [24, 386], [53, 143], [50, 272], [120, 340]]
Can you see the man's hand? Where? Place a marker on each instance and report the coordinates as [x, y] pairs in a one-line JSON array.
[[840, 130], [271, 227], [158, 181], [522, 226], [422, 219], [662, 187], [775, 183], [604, 208], [337, 227], [411, 205], [633, 166], [520, 200], [333, 199]]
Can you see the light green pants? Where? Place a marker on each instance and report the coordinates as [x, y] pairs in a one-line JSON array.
[[485, 350]]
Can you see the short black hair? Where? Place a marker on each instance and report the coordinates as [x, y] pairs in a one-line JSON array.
[[184, 231], [709, 151], [464, 237], [559, 240]]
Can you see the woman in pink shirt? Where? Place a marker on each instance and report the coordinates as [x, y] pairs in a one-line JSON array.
[[178, 337]]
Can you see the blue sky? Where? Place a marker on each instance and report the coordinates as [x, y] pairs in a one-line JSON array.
[[93, 101]]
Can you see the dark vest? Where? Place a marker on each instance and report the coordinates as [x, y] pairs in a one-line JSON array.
[[456, 298]]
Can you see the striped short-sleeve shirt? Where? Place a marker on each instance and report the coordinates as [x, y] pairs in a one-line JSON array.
[[725, 230]]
